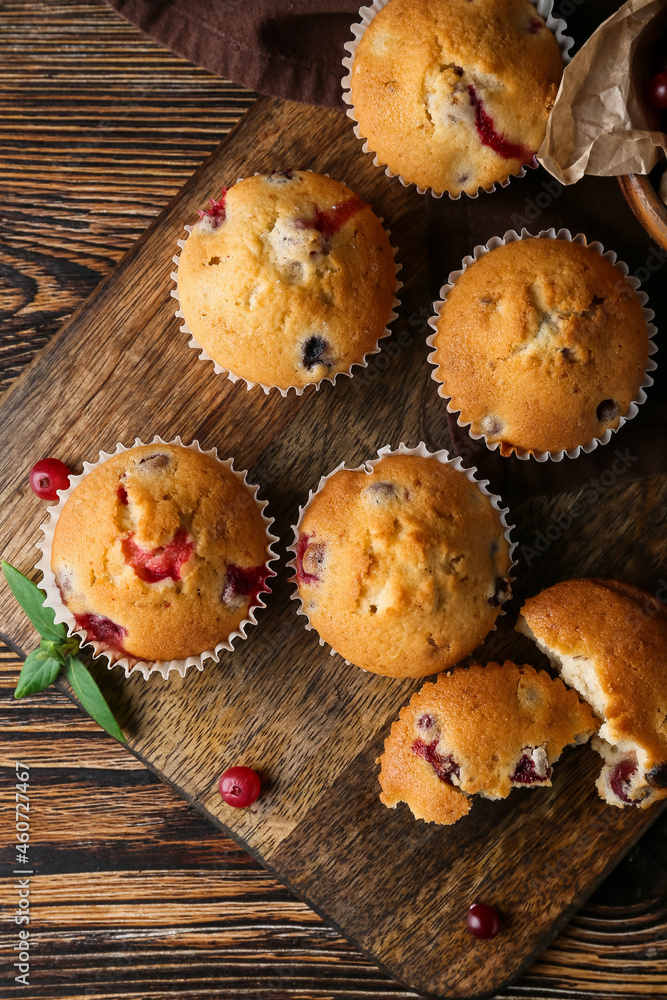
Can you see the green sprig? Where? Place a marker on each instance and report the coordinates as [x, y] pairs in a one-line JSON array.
[[56, 653]]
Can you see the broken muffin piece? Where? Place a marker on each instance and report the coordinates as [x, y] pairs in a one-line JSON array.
[[482, 731], [609, 640]]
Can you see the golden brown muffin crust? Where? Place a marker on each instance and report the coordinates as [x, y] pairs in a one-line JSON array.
[[403, 570], [291, 282], [481, 731], [622, 630], [542, 345], [161, 541], [434, 80]]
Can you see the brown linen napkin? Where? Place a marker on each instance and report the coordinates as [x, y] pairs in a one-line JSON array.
[[285, 48]]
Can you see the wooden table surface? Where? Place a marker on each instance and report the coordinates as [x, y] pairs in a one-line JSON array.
[[134, 894]]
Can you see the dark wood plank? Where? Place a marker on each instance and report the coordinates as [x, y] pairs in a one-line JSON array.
[[312, 725]]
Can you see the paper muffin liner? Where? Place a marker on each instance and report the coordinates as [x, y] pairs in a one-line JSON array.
[[563, 234], [422, 451], [298, 389], [544, 8], [132, 665]]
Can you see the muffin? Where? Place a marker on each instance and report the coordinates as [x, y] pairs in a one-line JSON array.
[[482, 731], [288, 279], [402, 570], [454, 95], [542, 344], [159, 553], [609, 641]]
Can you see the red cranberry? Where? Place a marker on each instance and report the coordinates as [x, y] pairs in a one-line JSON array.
[[443, 765], [102, 630], [329, 220], [245, 581], [240, 786], [217, 213], [49, 476], [526, 772], [619, 779], [425, 722], [121, 493], [160, 563], [304, 574], [494, 140], [656, 91], [483, 921]]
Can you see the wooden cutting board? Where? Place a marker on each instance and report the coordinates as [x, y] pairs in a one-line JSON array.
[[311, 725]]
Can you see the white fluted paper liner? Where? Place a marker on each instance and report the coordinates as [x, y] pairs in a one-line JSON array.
[[298, 389], [422, 452], [131, 665], [544, 8], [563, 234]]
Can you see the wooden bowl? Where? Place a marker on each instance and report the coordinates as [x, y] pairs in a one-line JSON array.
[[647, 205]]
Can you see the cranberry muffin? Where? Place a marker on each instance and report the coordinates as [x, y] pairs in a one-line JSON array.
[[288, 279], [482, 731], [454, 95], [609, 641], [159, 553], [402, 570], [542, 344]]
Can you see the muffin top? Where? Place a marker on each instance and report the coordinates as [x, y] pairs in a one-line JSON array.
[[481, 731], [402, 570], [454, 95], [288, 279], [609, 639], [159, 553], [542, 345]]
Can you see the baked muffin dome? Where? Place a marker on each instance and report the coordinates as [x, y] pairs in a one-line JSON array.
[[609, 641], [542, 345], [454, 95], [288, 279], [482, 731], [402, 570], [160, 552]]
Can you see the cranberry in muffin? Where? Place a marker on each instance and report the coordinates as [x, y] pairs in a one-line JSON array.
[[402, 570], [159, 553], [287, 280], [454, 95], [482, 731]]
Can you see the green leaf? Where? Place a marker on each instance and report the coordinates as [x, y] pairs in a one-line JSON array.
[[36, 674], [91, 697], [31, 600]]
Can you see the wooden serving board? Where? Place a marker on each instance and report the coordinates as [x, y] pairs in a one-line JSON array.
[[280, 703]]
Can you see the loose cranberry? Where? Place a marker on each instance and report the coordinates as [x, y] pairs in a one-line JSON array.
[[443, 765], [494, 140], [244, 581], [160, 563], [240, 786], [656, 91], [483, 921], [102, 630], [49, 476]]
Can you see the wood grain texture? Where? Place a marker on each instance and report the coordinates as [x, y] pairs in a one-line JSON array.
[[312, 726], [614, 947]]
